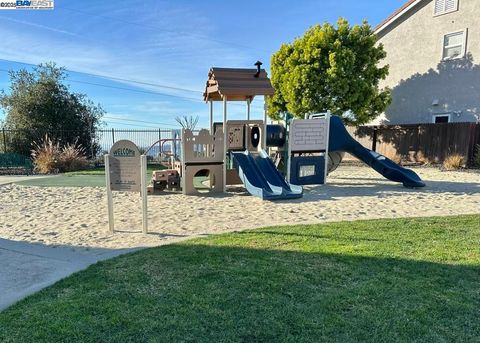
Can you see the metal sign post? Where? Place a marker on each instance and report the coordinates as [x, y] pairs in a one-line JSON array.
[[143, 192], [109, 194]]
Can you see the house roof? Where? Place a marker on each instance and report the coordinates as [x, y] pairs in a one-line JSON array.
[[236, 84], [396, 15]]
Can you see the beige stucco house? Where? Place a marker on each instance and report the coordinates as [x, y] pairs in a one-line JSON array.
[[433, 49]]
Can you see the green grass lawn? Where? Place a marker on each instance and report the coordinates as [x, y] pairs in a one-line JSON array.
[[94, 177], [384, 280]]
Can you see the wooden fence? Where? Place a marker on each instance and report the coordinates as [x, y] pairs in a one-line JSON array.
[[421, 143]]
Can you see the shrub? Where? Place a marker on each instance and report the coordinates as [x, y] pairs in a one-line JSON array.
[[476, 157], [454, 162], [72, 157], [49, 158], [394, 157], [45, 156], [421, 158]]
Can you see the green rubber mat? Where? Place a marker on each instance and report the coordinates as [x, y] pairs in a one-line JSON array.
[[66, 181]]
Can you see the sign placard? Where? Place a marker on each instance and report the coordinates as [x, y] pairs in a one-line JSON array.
[[126, 170], [125, 167]]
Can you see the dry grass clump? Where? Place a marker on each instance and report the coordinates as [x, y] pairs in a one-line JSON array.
[[454, 162], [394, 157], [72, 157], [421, 158], [45, 156], [49, 158]]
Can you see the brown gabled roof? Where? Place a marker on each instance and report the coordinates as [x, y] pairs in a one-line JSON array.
[[236, 84], [391, 17]]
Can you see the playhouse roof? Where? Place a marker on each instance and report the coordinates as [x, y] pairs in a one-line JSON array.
[[237, 84]]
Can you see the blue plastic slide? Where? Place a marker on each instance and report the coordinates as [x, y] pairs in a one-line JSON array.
[[261, 178], [340, 140]]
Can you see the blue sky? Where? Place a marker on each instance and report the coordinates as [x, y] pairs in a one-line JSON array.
[[169, 43]]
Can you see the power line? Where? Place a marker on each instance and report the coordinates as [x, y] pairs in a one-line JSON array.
[[130, 89], [116, 123], [126, 124], [141, 121], [136, 90], [114, 78]]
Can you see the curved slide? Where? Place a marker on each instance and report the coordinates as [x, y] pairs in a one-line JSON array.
[[261, 178], [340, 140]]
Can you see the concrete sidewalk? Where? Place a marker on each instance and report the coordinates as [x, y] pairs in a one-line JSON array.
[[26, 268]]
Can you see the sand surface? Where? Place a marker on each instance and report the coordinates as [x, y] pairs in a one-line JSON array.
[[77, 217]]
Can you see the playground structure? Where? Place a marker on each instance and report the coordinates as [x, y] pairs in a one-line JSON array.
[[233, 152]]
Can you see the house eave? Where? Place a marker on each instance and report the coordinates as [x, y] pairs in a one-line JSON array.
[[397, 15]]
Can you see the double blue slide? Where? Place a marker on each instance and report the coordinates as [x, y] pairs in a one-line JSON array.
[[262, 179]]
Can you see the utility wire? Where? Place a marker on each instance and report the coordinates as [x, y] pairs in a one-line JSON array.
[[129, 89], [141, 121], [108, 77], [136, 90], [130, 125], [124, 88]]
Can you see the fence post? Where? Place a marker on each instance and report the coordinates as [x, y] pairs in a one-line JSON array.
[[4, 141], [113, 135], [174, 144], [92, 141], [159, 143], [374, 139]]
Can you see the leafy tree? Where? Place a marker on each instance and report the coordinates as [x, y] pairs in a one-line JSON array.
[[330, 68], [39, 103]]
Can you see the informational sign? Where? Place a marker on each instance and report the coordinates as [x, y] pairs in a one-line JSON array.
[[126, 170], [124, 166]]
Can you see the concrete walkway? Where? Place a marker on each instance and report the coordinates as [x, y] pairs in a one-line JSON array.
[[26, 268], [7, 179]]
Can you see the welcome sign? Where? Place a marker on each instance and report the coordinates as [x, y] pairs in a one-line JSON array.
[[124, 166]]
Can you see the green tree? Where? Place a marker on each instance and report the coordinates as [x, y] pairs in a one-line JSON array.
[[330, 68], [39, 103]]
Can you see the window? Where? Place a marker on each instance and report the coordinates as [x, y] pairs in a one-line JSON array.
[[441, 118], [307, 171], [445, 6], [454, 45]]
